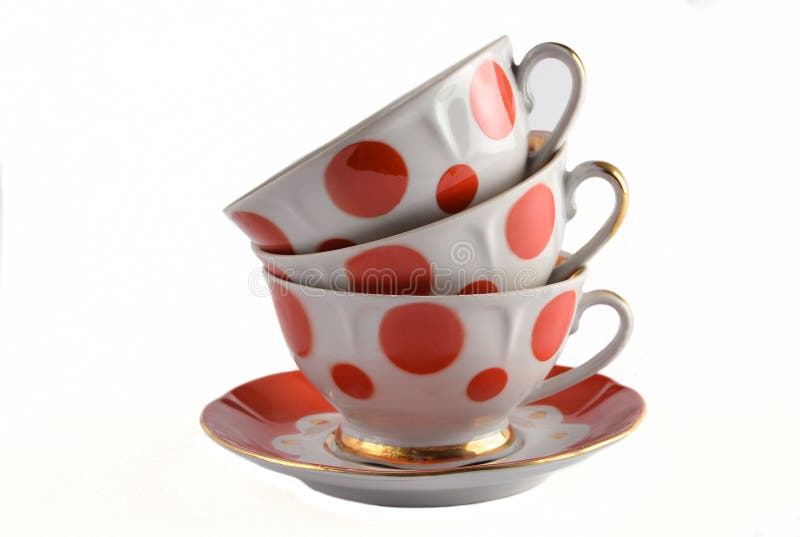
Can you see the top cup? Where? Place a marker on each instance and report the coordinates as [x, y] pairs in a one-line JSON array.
[[458, 139]]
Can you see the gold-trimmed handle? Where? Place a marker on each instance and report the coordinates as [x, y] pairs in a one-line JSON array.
[[574, 65], [606, 355], [572, 180]]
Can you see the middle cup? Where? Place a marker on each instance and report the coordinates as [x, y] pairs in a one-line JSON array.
[[432, 379], [510, 241]]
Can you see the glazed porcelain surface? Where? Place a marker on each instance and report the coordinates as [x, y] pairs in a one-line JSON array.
[[412, 371], [282, 423], [456, 140], [510, 241]]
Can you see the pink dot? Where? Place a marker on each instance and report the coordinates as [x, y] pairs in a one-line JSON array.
[[293, 320], [366, 179], [334, 244], [492, 100], [263, 232], [352, 381], [552, 326], [479, 287], [487, 384], [530, 222], [421, 338], [457, 188], [391, 270]]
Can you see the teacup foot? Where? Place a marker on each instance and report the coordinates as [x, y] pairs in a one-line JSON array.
[[481, 450]]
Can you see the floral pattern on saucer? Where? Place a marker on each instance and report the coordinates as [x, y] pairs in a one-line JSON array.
[[540, 429]]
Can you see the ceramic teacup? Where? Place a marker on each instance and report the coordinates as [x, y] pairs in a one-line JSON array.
[[509, 242], [432, 379], [456, 140]]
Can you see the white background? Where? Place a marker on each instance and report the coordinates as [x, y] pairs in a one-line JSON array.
[[124, 297]]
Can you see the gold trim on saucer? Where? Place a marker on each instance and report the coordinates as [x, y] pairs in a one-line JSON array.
[[392, 472], [389, 454]]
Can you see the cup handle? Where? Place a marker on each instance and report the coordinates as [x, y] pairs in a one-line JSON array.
[[599, 360], [522, 73], [572, 181]]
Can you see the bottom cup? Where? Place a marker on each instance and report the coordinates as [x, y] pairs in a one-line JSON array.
[[432, 379]]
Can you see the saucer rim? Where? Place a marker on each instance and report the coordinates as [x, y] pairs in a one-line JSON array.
[[564, 455]]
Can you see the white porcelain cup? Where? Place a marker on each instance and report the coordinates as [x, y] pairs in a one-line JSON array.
[[432, 379], [510, 241], [456, 140]]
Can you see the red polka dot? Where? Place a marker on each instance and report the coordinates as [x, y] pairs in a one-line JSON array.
[[263, 232], [530, 222], [552, 326], [334, 244], [421, 338], [457, 188], [392, 270], [352, 381], [487, 384], [479, 287], [492, 100], [293, 320], [366, 179]]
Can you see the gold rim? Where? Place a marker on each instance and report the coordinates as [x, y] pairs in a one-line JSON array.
[[614, 172], [537, 139], [411, 473], [386, 453]]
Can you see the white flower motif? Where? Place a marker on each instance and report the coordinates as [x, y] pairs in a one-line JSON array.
[[545, 431], [540, 428]]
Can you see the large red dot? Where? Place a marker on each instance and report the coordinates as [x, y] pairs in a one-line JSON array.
[[352, 381], [552, 325], [487, 384], [366, 179], [479, 287], [457, 188], [530, 222], [421, 338], [263, 232], [294, 321], [334, 244], [390, 270], [492, 100]]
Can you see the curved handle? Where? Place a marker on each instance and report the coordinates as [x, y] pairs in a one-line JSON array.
[[523, 71], [572, 180], [599, 360]]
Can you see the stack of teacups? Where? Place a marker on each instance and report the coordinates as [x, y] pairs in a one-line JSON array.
[[415, 263]]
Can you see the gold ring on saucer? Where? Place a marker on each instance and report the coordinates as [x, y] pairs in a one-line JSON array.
[[388, 454]]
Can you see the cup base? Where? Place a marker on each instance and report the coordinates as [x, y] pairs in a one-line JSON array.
[[483, 449]]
